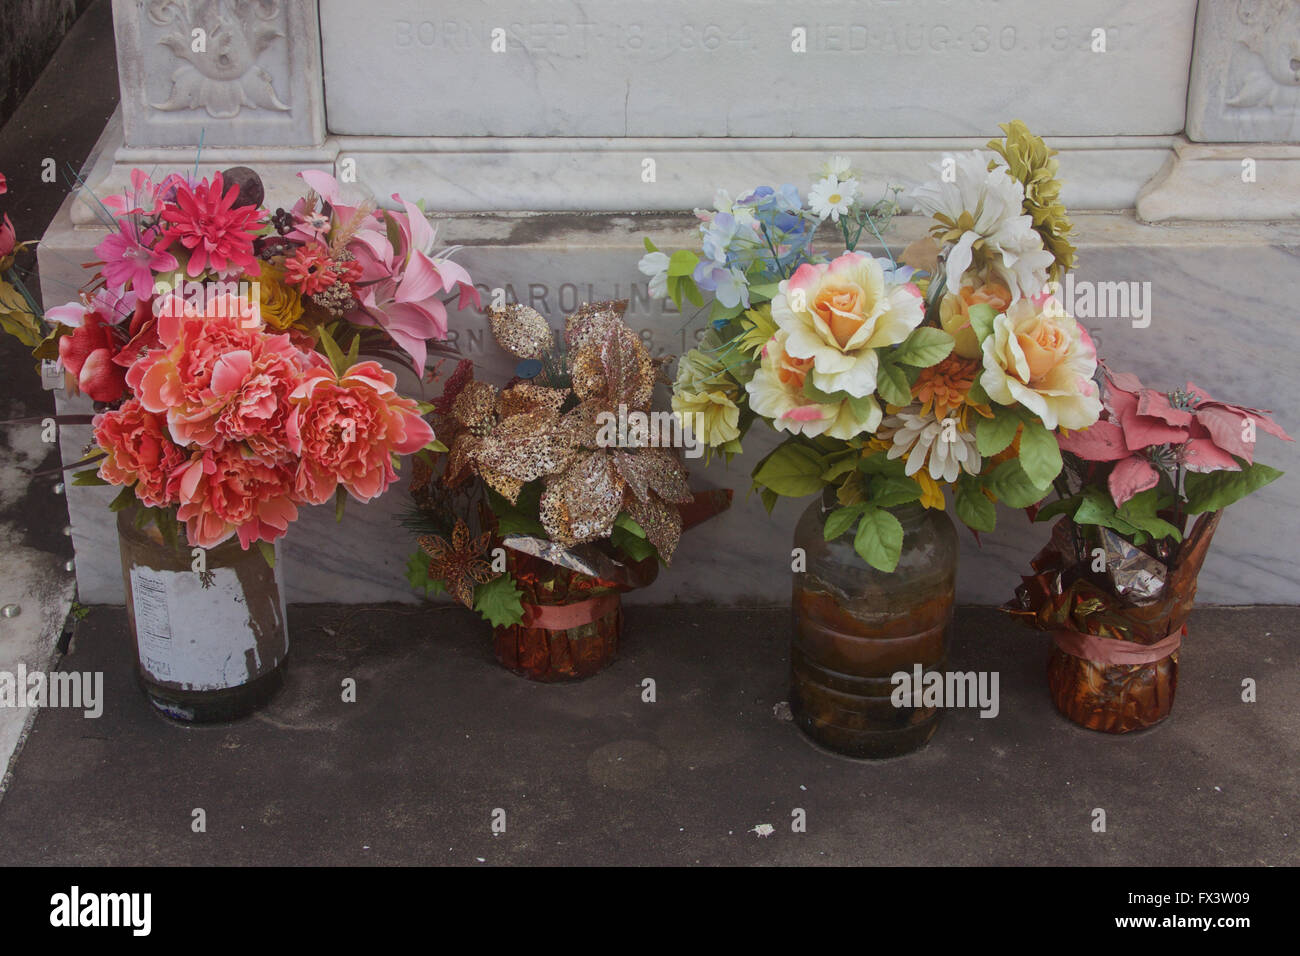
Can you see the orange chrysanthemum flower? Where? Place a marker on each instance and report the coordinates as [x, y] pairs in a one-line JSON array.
[[944, 387]]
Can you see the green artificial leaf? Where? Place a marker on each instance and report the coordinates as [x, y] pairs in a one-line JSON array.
[[629, 537], [435, 445], [88, 477], [768, 497], [340, 499], [332, 351], [892, 383], [125, 498], [1061, 506], [973, 506], [981, 320], [791, 471], [993, 435], [976, 395], [879, 540], [417, 573], [923, 348], [764, 291], [879, 463], [268, 552], [1040, 455], [1010, 484], [682, 263], [499, 601], [887, 491], [840, 520], [840, 467], [354, 352], [1098, 508], [649, 246], [1219, 489], [518, 518], [724, 313]]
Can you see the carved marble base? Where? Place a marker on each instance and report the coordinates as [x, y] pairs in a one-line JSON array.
[[1256, 181]]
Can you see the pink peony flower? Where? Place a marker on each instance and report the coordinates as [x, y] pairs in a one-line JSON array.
[[88, 354], [218, 235], [139, 452], [347, 430], [225, 490], [130, 258]]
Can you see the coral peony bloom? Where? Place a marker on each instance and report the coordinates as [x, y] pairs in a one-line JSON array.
[[217, 235], [138, 452], [347, 430], [1040, 357], [88, 354], [176, 377], [225, 491], [777, 392], [838, 314], [250, 392]]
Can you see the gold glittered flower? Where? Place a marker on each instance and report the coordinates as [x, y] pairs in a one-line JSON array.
[[461, 564]]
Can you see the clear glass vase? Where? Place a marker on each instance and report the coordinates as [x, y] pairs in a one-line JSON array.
[[856, 627], [210, 629]]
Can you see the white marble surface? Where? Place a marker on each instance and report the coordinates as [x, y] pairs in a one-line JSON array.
[[1222, 310], [1245, 82], [1225, 181], [876, 68], [220, 74]]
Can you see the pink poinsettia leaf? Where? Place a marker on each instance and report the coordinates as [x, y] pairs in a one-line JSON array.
[[1156, 405], [1130, 477], [1102, 441], [1205, 455]]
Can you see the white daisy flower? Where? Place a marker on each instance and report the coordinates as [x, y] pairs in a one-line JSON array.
[[940, 443], [830, 197]]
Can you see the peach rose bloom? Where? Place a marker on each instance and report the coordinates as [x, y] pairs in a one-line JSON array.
[[1040, 357], [954, 313]]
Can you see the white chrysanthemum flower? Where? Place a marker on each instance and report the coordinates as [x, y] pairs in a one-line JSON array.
[[995, 203], [830, 197], [939, 442]]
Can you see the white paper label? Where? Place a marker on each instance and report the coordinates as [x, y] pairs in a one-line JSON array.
[[51, 374], [196, 636]]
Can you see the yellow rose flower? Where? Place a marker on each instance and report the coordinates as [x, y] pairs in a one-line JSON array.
[[954, 313], [281, 304]]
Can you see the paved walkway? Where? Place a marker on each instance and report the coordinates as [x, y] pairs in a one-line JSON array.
[[440, 737]]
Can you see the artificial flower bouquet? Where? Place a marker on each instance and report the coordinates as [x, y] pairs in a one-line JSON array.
[[557, 493], [233, 352], [1115, 584], [892, 379]]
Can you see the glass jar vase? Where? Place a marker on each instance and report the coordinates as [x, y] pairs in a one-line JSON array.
[[209, 625], [856, 627]]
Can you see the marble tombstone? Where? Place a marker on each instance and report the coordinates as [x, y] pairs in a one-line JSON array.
[[525, 126]]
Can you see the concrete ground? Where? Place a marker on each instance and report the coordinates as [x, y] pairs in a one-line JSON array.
[[440, 737]]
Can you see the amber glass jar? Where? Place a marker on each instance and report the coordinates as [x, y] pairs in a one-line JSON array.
[[571, 626], [210, 629], [856, 627]]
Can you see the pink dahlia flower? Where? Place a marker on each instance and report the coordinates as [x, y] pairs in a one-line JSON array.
[[217, 235]]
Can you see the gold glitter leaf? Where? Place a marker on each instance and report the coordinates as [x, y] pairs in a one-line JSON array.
[[521, 331]]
